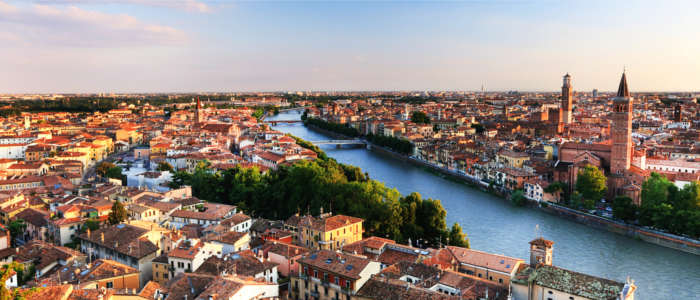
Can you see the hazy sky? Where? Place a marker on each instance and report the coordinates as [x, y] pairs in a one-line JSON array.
[[221, 45]]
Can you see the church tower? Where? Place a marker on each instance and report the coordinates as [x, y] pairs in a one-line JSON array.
[[566, 100], [621, 131], [541, 252]]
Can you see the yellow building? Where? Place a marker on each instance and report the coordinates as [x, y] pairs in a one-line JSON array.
[[129, 135], [512, 159], [161, 270], [329, 232]]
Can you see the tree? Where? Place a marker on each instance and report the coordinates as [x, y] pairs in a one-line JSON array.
[[518, 198], [556, 188], [109, 170], [164, 166], [592, 184], [103, 167], [478, 127], [624, 209], [118, 213], [6, 272], [457, 237], [17, 228], [420, 117], [655, 192], [91, 224]]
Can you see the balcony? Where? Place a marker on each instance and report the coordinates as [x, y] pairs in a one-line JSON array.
[[314, 279]]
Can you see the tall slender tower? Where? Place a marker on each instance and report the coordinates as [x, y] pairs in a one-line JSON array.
[[198, 112], [566, 100], [621, 155]]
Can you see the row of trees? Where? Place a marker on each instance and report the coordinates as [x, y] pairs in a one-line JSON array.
[[309, 186], [663, 205], [396, 144], [334, 127], [669, 208], [420, 117]]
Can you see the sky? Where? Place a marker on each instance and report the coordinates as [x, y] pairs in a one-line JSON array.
[[105, 46]]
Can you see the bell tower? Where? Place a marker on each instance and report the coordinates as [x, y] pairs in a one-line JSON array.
[[621, 131], [566, 100], [541, 252]]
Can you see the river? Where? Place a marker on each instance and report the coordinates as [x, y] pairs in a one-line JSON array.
[[494, 225]]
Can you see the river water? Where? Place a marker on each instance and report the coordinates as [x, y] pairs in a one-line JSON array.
[[494, 225]]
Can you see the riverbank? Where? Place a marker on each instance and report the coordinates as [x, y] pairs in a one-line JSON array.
[[671, 241]]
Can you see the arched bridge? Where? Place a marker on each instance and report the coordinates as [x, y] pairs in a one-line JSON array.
[[275, 122], [339, 142]]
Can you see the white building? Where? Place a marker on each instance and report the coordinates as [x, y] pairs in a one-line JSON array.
[[13, 151], [190, 254]]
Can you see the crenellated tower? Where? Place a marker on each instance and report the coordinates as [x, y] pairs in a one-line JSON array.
[[567, 100]]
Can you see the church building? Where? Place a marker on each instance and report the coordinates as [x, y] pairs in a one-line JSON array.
[[615, 157]]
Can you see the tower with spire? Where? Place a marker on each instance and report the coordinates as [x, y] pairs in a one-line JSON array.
[[566, 100], [621, 130]]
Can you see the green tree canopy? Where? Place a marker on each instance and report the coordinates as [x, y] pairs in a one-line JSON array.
[[624, 209], [165, 166], [665, 206], [592, 184], [17, 228], [309, 186], [92, 224], [103, 167], [118, 213], [420, 117], [478, 127], [457, 237], [518, 198]]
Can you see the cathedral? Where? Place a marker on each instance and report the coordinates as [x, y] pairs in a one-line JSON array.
[[624, 167]]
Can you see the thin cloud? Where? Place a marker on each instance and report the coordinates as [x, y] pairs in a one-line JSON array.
[[71, 26], [186, 5]]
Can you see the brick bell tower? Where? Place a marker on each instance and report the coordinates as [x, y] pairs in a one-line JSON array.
[[621, 131], [566, 100]]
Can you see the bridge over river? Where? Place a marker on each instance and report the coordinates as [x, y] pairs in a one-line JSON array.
[[339, 142], [277, 122], [497, 226]]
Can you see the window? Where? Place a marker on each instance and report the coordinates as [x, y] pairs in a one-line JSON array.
[[500, 280], [550, 292], [110, 285]]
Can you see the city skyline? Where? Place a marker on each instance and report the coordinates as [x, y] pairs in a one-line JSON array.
[[130, 46]]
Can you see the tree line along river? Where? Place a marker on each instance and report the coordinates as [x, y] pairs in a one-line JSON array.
[[494, 225]]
